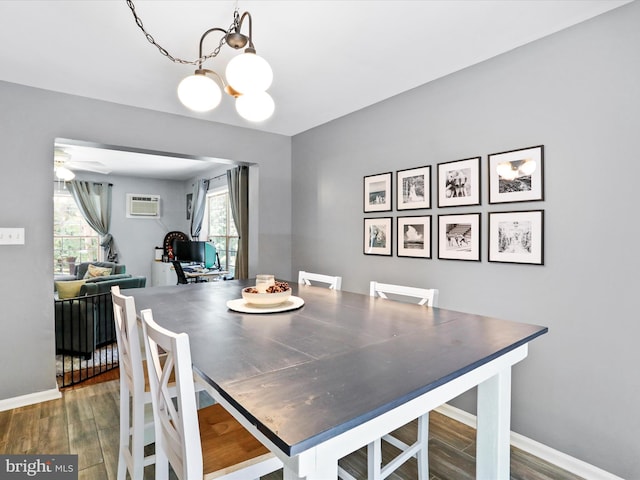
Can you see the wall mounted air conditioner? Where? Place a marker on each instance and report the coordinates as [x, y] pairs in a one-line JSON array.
[[143, 206]]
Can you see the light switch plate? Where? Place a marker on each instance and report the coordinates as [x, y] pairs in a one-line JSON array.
[[11, 236]]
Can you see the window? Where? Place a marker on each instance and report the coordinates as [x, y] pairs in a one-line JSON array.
[[222, 229], [74, 241]]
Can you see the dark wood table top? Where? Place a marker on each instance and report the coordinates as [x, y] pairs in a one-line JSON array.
[[307, 375]]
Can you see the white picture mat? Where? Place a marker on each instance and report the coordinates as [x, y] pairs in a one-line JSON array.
[[444, 252], [533, 153], [425, 222], [473, 166], [535, 218], [414, 204], [374, 184], [383, 225]]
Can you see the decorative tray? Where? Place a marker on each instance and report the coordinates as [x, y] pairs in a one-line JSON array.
[[240, 305]]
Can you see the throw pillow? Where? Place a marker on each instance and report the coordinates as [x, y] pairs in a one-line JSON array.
[[94, 271], [69, 288]]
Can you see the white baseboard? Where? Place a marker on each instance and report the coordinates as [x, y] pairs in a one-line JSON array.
[[30, 399], [548, 454]]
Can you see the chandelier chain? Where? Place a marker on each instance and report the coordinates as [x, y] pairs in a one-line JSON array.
[[164, 51]]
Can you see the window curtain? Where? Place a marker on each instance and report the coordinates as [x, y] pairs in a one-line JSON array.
[[238, 185], [94, 203], [198, 206]]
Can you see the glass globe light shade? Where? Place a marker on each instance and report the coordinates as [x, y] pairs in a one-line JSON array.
[[255, 107], [249, 73], [199, 93], [506, 171], [63, 173], [528, 167]]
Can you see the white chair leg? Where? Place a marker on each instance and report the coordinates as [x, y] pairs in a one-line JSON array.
[[374, 460], [423, 453], [124, 433], [137, 440]]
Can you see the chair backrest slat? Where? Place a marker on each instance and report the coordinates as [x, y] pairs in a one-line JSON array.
[[334, 282], [426, 296], [129, 342]]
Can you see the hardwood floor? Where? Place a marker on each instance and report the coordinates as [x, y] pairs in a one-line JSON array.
[[85, 421]]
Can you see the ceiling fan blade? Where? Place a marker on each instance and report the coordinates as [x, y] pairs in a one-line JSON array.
[[89, 166]]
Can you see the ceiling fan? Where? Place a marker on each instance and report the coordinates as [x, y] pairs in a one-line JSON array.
[[64, 166]]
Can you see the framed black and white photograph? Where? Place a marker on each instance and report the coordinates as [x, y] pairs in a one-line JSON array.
[[517, 175], [378, 193], [414, 237], [189, 205], [414, 188], [459, 237], [459, 183], [517, 237], [378, 235]]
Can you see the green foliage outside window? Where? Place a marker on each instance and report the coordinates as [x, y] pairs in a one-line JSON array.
[[222, 230], [74, 241]]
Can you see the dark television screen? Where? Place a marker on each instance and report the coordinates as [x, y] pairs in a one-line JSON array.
[[197, 252]]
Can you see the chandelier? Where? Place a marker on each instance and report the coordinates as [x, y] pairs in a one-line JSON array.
[[248, 76]]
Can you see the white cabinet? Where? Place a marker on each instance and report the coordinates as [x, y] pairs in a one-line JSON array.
[[162, 273]]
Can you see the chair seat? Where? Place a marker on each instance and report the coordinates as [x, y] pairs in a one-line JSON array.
[[226, 445]]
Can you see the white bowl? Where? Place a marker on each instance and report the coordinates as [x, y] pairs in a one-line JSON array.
[[265, 299]]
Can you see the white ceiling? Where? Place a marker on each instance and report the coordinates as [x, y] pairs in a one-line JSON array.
[[329, 57]]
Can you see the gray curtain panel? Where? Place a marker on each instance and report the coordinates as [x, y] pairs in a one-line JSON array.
[[238, 184], [94, 202], [198, 206]]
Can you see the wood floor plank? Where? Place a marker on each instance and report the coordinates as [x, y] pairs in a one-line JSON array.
[[23, 431], [53, 434], [109, 442], [95, 472], [83, 440], [5, 420], [85, 422]]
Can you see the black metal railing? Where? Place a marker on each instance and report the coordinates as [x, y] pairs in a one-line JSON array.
[[85, 338]]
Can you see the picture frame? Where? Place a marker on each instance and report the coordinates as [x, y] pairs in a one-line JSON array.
[[414, 188], [189, 205], [459, 237], [378, 235], [378, 192], [414, 236], [516, 175], [517, 237], [459, 183]]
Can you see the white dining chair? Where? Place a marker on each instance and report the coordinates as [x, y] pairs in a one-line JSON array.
[[136, 413], [420, 448], [135, 430], [333, 282], [204, 443]]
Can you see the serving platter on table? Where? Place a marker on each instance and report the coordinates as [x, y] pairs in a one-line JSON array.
[[242, 306]]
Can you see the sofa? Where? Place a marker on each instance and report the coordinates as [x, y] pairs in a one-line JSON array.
[[84, 322], [80, 272]]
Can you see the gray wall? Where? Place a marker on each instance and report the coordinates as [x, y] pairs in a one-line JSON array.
[[136, 237], [30, 120], [578, 93]]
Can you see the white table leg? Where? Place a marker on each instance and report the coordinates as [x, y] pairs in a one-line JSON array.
[[322, 472], [494, 426]]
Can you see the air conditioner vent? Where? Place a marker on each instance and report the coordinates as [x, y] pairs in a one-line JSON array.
[[143, 206]]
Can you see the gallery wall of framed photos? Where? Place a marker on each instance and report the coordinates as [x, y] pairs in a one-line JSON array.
[[513, 236]]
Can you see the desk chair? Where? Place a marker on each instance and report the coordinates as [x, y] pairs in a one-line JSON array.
[[182, 278], [334, 283], [197, 443], [419, 449]]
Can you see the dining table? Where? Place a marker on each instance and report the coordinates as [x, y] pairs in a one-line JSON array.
[[331, 371]]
